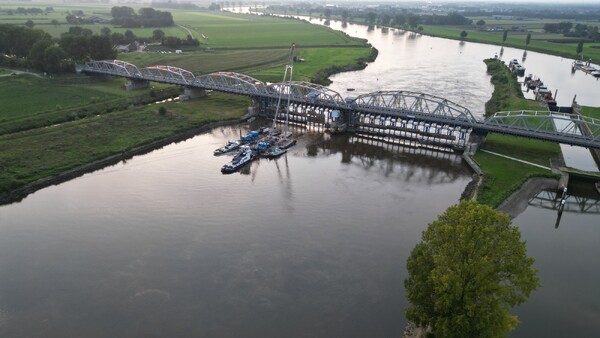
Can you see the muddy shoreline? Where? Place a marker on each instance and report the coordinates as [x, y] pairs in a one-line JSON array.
[[22, 192]]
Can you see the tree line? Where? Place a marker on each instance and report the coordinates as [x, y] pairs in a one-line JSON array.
[[145, 17], [25, 47], [567, 29], [29, 11], [381, 16]]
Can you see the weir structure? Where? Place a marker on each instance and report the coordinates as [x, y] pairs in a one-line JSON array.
[[431, 120]]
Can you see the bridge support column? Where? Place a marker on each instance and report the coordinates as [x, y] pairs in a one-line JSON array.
[[193, 92], [134, 84]]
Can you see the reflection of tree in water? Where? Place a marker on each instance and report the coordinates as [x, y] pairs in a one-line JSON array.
[[410, 163]]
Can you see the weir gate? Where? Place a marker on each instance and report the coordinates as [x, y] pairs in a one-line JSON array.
[[382, 115]]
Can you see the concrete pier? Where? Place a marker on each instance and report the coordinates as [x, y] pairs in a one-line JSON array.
[[134, 84]]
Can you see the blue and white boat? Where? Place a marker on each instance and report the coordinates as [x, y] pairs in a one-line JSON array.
[[242, 157]]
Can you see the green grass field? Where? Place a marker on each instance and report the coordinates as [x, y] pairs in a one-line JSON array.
[[18, 101], [591, 112], [502, 176], [201, 62], [70, 145]]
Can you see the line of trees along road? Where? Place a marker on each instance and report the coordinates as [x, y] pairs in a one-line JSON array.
[[33, 48]]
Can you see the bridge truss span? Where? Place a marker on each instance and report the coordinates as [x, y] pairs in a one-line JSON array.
[[232, 83], [559, 127], [308, 93], [113, 67], [409, 104], [168, 74]]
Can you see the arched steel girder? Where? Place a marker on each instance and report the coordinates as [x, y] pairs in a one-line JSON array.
[[113, 67], [541, 123], [412, 103], [231, 82], [306, 92], [168, 74]]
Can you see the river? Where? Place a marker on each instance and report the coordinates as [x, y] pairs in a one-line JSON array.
[[311, 244]]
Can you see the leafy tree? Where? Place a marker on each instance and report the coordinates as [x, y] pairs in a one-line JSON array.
[[129, 36], [54, 22], [469, 270], [158, 35], [463, 35], [101, 48], [399, 20], [29, 23], [386, 19], [76, 46], [371, 17], [344, 15], [504, 36], [565, 27], [413, 21], [528, 39], [36, 54], [327, 13], [480, 23], [579, 47], [72, 19], [53, 59], [118, 38], [105, 31]]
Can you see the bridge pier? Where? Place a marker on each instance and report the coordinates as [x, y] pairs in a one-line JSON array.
[[134, 84], [192, 93]]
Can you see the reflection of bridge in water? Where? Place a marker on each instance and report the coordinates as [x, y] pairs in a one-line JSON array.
[[384, 114], [406, 162], [552, 200]]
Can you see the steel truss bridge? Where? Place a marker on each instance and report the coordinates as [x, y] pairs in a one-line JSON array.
[[402, 111]]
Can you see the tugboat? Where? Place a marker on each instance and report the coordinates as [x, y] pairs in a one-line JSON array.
[[243, 156], [230, 146]]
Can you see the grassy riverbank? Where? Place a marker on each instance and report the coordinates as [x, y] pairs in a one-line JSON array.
[[540, 42], [38, 153], [503, 176]]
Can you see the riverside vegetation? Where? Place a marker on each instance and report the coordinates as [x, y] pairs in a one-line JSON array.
[[49, 125], [503, 176]]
